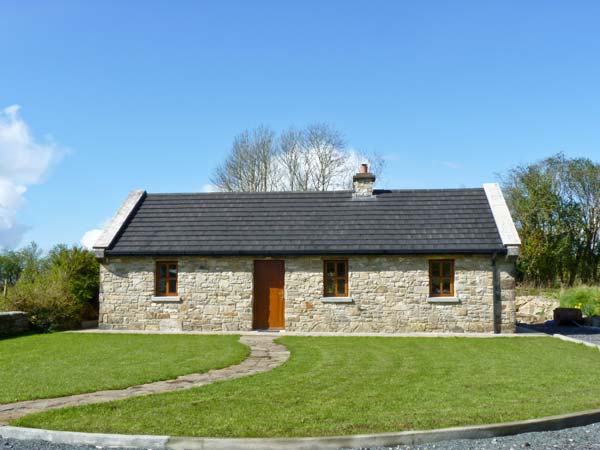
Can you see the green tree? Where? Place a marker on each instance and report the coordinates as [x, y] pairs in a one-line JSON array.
[[556, 206], [79, 269], [57, 290], [10, 269]]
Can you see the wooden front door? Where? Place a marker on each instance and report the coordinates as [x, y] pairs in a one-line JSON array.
[[268, 295]]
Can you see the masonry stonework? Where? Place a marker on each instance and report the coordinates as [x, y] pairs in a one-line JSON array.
[[13, 323], [387, 294]]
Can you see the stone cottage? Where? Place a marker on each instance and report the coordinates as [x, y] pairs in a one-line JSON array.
[[365, 260]]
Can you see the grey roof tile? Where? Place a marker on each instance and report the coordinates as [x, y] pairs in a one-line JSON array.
[[395, 222]]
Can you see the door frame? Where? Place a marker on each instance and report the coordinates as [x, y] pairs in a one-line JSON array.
[[254, 296]]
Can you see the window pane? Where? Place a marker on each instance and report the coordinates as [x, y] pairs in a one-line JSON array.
[[173, 270], [330, 268], [162, 287], [329, 288], [435, 287], [341, 286], [446, 286], [435, 269], [447, 268], [162, 270], [172, 286], [341, 269]]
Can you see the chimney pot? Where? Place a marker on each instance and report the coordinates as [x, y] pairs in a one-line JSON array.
[[364, 168]]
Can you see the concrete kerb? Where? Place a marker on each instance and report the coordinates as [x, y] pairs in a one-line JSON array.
[[522, 332], [576, 341], [309, 443], [76, 438]]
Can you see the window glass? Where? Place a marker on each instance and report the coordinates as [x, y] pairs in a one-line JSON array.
[[446, 286], [330, 269], [166, 278], [335, 280], [446, 268], [341, 286], [330, 286], [441, 278]]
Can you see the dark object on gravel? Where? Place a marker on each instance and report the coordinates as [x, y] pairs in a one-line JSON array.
[[566, 316]]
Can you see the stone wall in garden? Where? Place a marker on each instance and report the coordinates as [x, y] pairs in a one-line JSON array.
[[534, 308], [13, 322], [386, 294]]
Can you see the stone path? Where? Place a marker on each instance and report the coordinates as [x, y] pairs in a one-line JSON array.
[[264, 356]]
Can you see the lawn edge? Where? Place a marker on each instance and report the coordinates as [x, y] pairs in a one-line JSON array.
[[127, 386], [548, 423]]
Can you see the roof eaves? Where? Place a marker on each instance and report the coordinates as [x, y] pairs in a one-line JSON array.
[[324, 252]]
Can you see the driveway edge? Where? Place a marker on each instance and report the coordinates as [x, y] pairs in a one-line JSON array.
[[78, 438], [549, 423]]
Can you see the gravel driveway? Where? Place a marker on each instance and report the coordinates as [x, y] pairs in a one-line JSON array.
[[588, 334], [580, 438]]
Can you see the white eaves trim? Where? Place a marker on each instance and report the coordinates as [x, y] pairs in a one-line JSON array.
[[112, 229], [502, 217]]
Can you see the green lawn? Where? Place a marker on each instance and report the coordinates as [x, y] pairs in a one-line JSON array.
[[349, 385], [52, 365]]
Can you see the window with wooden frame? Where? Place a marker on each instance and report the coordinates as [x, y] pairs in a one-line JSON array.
[[441, 278], [166, 278], [335, 278]]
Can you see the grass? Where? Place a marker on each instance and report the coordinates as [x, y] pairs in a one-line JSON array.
[[52, 365], [349, 385], [586, 298], [546, 292]]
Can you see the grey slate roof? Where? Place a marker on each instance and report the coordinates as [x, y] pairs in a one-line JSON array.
[[327, 223]]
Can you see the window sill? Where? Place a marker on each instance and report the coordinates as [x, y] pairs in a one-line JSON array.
[[337, 299], [169, 299], [443, 300]]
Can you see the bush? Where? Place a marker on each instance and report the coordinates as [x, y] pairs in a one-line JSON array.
[[55, 291], [47, 302], [585, 298]]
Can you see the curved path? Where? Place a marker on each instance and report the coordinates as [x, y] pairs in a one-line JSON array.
[[265, 355]]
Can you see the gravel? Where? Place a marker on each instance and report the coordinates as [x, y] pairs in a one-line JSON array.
[[14, 444], [579, 438]]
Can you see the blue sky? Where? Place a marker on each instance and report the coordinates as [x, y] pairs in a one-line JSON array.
[[149, 94]]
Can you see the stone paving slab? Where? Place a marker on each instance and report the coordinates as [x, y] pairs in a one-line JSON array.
[[264, 356]]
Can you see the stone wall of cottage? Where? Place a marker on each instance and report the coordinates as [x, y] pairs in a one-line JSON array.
[[388, 294]]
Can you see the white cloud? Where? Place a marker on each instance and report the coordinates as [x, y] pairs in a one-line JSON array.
[[209, 187], [23, 162], [90, 237]]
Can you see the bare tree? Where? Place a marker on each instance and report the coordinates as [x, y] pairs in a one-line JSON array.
[[292, 155], [249, 167], [315, 158]]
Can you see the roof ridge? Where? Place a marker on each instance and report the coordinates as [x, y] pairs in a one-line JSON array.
[[344, 191]]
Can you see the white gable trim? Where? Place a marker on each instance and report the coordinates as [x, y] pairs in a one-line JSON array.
[[116, 224], [504, 222]]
